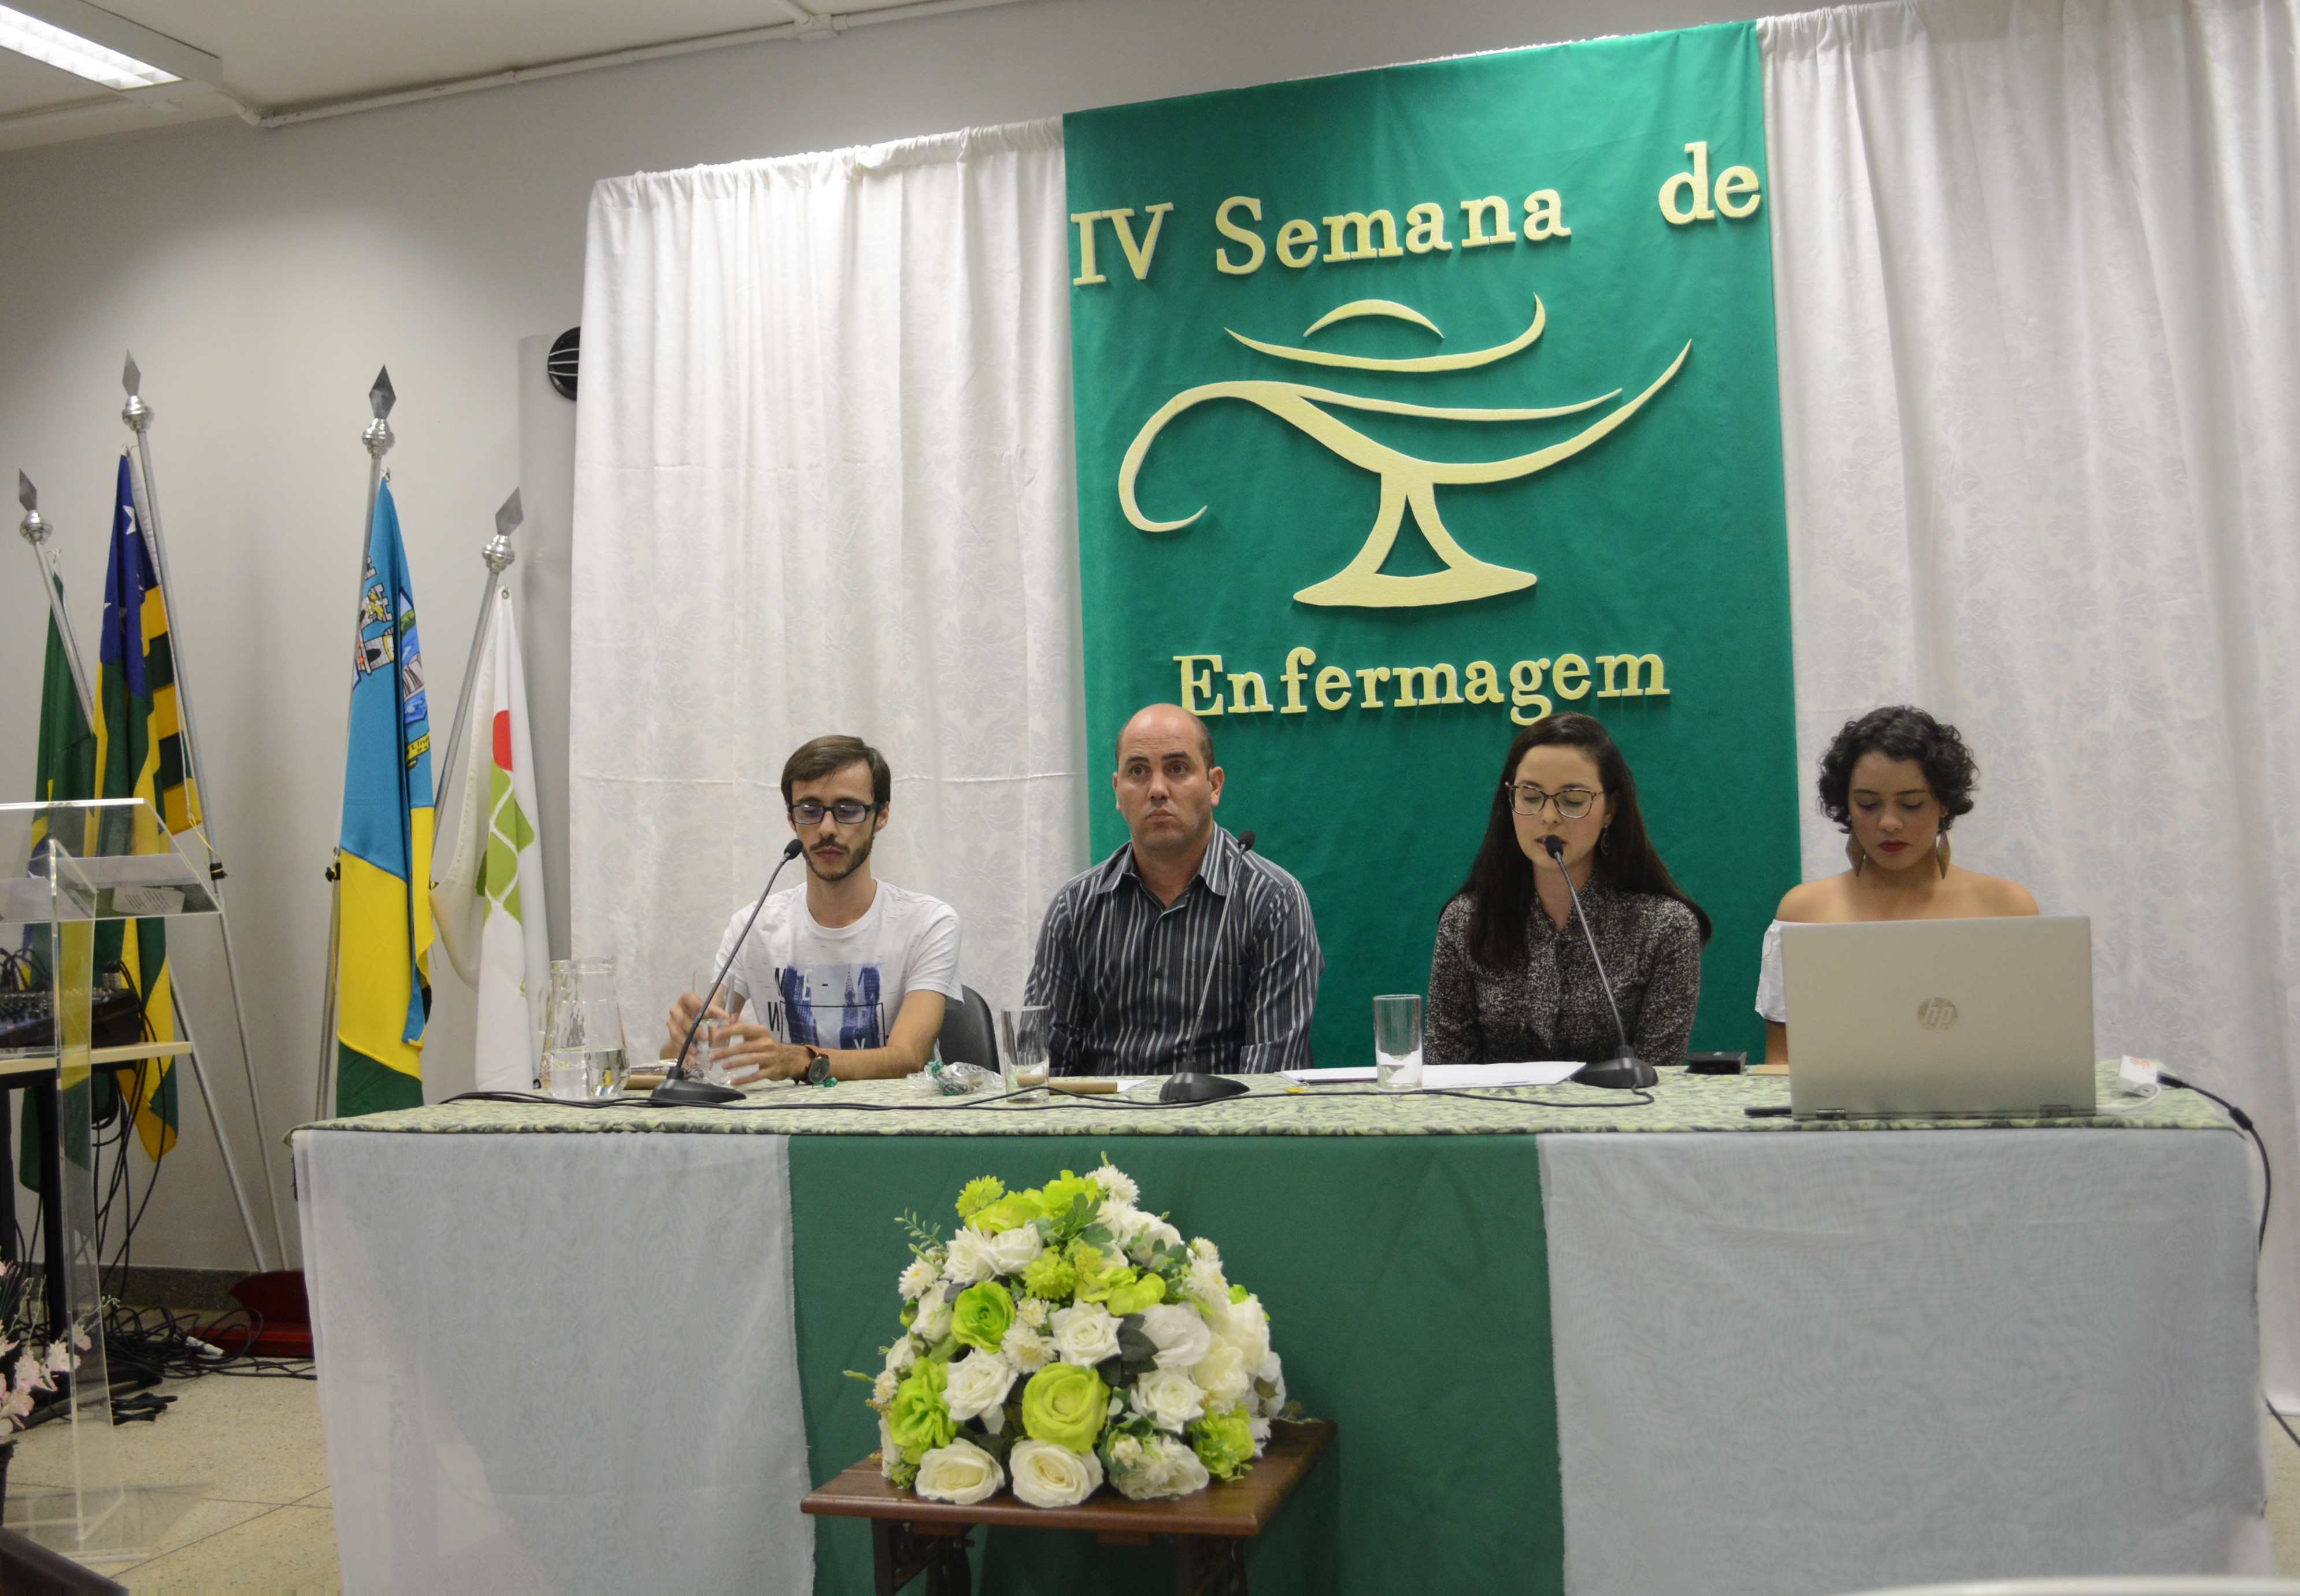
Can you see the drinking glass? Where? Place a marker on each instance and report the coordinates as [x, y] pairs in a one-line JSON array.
[[1023, 1038], [583, 1056], [700, 1064], [1397, 1041]]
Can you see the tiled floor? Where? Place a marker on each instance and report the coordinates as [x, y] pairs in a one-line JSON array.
[[254, 1464], [260, 1518]]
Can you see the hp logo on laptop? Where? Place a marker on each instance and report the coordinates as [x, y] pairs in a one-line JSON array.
[[1936, 1013]]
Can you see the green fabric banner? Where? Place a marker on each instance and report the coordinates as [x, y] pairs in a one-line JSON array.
[[1413, 405], [1407, 1282]]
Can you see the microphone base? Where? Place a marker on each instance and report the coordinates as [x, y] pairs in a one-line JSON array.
[[1628, 1073], [678, 1093]]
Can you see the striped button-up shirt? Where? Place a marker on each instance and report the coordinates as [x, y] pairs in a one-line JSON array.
[[1126, 975]]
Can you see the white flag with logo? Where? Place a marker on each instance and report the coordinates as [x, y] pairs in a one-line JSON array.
[[489, 905]]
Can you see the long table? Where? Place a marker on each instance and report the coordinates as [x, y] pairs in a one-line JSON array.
[[571, 1349]]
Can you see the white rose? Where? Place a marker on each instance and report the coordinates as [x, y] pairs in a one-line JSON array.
[[1012, 1251], [1032, 1312], [960, 1473], [1086, 1333], [1244, 1325], [1118, 1183], [902, 1355], [1154, 1235], [1047, 1476], [1222, 1375], [933, 1322], [1169, 1468], [977, 1384], [1029, 1350], [970, 1259], [916, 1278], [1270, 1385], [1259, 1428], [1170, 1397], [1179, 1334]]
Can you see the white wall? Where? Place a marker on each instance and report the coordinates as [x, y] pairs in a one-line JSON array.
[[261, 277]]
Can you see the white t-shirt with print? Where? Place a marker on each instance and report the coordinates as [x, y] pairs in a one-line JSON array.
[[841, 988]]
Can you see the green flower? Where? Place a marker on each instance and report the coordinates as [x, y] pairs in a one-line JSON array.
[[1135, 1295], [920, 1420], [1050, 1276], [1223, 1441], [978, 1194], [980, 1315], [1065, 1403], [1058, 1196], [1010, 1212]]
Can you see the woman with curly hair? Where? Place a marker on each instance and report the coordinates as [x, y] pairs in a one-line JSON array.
[[1510, 977], [1896, 780]]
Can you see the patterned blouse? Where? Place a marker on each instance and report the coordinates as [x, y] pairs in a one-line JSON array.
[[1552, 1006]]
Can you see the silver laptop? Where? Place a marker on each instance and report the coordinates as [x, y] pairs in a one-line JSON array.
[[1936, 1019]]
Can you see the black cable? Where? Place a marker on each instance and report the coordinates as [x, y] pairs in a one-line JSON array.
[[2243, 1122], [1056, 1099]]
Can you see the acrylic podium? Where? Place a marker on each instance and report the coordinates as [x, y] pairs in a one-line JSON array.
[[65, 870]]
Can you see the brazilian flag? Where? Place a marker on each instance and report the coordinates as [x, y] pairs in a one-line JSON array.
[[64, 773], [139, 754], [383, 951]]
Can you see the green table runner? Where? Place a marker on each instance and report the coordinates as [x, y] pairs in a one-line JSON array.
[[1408, 1288], [1681, 1102]]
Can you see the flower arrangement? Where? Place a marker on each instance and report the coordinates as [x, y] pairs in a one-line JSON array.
[[38, 1359], [1064, 1337]]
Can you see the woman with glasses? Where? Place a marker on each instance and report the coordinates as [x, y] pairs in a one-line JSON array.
[[1896, 780], [1510, 978]]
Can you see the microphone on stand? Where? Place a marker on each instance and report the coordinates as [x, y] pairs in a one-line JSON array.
[[1628, 1073], [1190, 1086], [679, 1088]]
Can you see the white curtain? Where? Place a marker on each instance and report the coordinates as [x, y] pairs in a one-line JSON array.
[[2040, 403], [824, 483]]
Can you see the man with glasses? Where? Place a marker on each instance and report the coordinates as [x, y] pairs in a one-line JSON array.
[[1182, 950], [847, 975]]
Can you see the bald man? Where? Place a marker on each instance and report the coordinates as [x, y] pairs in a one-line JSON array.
[[1181, 950]]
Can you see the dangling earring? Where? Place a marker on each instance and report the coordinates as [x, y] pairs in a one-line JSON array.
[[1940, 851], [1857, 855], [1605, 838]]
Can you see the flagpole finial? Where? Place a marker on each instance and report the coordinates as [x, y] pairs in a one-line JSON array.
[[380, 400], [135, 413], [34, 526], [499, 552]]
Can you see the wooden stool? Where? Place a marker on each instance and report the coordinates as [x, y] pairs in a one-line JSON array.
[[1208, 1528]]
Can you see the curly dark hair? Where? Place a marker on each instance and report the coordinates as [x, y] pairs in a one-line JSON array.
[[1500, 886], [1899, 731]]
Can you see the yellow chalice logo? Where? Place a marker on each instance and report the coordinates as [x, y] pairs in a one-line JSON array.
[[1406, 481]]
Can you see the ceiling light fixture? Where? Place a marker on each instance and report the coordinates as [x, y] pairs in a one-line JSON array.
[[94, 43], [43, 41]]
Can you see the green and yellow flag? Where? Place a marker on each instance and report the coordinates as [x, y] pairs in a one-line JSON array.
[[139, 754], [64, 773], [383, 951]]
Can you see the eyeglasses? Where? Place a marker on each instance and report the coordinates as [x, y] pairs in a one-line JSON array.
[[846, 812], [1572, 802]]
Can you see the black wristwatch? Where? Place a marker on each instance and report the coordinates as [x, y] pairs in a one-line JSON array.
[[818, 1071]]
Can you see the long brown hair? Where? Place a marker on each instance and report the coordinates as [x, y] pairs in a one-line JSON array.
[[1500, 888]]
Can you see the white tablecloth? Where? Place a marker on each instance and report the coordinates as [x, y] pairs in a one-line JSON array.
[[558, 1363], [1786, 1364], [1810, 1364]]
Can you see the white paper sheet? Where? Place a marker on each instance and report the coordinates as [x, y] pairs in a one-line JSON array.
[[1453, 1075]]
